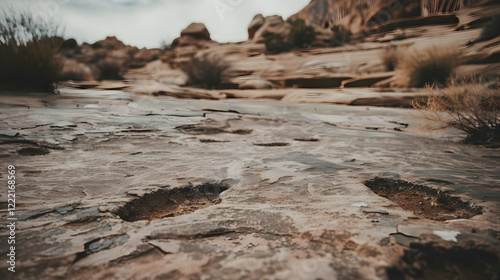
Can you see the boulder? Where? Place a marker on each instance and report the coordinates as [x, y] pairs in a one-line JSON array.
[[196, 34], [272, 24], [196, 30], [256, 23]]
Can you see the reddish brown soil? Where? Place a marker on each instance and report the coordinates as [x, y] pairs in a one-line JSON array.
[[423, 201], [171, 202]]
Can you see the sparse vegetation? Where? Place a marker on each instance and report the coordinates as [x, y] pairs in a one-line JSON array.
[[110, 69], [275, 43], [492, 29], [341, 35], [28, 46], [301, 35], [472, 106], [165, 46], [430, 66], [391, 56], [69, 44], [207, 70]]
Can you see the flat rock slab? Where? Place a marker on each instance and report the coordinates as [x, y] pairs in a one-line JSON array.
[[287, 213]]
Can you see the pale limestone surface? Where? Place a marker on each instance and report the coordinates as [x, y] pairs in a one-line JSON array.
[[289, 213]]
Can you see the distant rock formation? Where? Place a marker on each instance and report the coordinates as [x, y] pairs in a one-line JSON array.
[[272, 24], [197, 30], [260, 27], [357, 15], [196, 34], [110, 43], [256, 23]]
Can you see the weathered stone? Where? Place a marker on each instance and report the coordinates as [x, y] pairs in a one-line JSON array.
[[273, 24], [196, 30], [366, 81], [256, 23], [255, 84]]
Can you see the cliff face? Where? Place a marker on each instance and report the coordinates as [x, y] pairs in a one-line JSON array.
[[359, 15]]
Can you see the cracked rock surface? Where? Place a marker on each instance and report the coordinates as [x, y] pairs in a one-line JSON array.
[[294, 203]]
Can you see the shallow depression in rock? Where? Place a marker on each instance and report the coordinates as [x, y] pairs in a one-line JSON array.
[[172, 202], [422, 200]]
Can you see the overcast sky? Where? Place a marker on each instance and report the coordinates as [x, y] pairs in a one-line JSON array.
[[145, 23]]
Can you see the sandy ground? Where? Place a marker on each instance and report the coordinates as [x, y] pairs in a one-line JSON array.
[[296, 208]]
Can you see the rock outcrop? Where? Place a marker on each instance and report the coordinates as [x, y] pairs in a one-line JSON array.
[[256, 23], [357, 15], [196, 34], [197, 30], [272, 24], [110, 43]]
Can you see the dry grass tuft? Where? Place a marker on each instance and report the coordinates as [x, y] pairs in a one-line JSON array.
[[110, 69], [391, 56], [207, 70], [27, 51], [471, 106], [430, 66]]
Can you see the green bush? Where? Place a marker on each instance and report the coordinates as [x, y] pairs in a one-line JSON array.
[[340, 36], [301, 35], [27, 52], [276, 43], [207, 70]]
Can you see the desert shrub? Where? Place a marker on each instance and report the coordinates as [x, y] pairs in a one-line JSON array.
[[27, 51], [430, 66], [391, 55], [301, 35], [109, 69], [276, 43], [340, 36], [471, 106], [75, 71], [165, 46], [491, 29], [69, 44], [206, 70]]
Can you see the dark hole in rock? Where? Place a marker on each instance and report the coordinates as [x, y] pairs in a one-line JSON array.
[[428, 261], [242, 131], [277, 144], [212, 141], [423, 201], [172, 202], [33, 151], [197, 129], [307, 139]]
